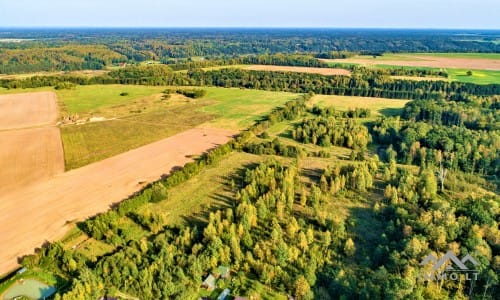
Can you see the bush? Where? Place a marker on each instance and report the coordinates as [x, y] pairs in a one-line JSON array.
[[65, 86], [159, 192]]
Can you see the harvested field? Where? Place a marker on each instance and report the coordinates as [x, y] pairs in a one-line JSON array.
[[415, 60], [321, 71], [41, 211], [27, 110], [28, 156], [31, 146]]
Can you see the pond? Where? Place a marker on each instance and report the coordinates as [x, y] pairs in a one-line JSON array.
[[30, 288]]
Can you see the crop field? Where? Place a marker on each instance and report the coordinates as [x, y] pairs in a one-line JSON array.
[[141, 117], [321, 71], [377, 106], [31, 145], [94, 141], [442, 60], [28, 156], [27, 110], [83, 192]]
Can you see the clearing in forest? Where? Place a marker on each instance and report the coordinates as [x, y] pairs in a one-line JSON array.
[[377, 106]]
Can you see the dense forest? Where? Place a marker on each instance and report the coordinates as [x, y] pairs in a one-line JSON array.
[[364, 82], [282, 231], [49, 50]]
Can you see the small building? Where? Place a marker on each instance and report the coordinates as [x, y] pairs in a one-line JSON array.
[[223, 272], [209, 283], [224, 294], [22, 270]]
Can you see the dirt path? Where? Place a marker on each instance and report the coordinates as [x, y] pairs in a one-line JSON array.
[[39, 212]]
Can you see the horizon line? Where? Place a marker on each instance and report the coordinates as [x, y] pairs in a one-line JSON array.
[[244, 27]]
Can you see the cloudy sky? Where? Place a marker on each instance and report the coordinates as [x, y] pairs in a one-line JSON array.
[[481, 14]]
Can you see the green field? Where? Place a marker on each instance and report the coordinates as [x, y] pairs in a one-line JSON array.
[[141, 117], [92, 98], [478, 76], [377, 106], [411, 56], [454, 74], [239, 108], [211, 189]]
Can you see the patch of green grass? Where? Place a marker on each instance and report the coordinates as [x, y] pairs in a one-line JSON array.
[[239, 108], [92, 248], [89, 98], [377, 106], [192, 200], [477, 77], [460, 75], [142, 118], [91, 142]]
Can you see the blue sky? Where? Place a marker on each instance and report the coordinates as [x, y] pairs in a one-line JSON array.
[[484, 14]]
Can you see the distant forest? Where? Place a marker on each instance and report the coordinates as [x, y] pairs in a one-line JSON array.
[[23, 51]]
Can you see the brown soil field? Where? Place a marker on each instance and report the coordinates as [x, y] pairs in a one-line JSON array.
[[429, 61], [28, 156], [42, 211], [321, 71], [27, 110], [85, 73], [31, 146]]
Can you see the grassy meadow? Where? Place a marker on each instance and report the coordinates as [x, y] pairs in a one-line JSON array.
[[238, 108], [92, 98], [377, 106], [142, 117]]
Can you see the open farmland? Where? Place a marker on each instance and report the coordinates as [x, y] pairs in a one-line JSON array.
[[142, 117], [321, 71], [31, 146], [48, 206], [94, 141], [29, 155], [474, 62], [237, 109], [27, 110]]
